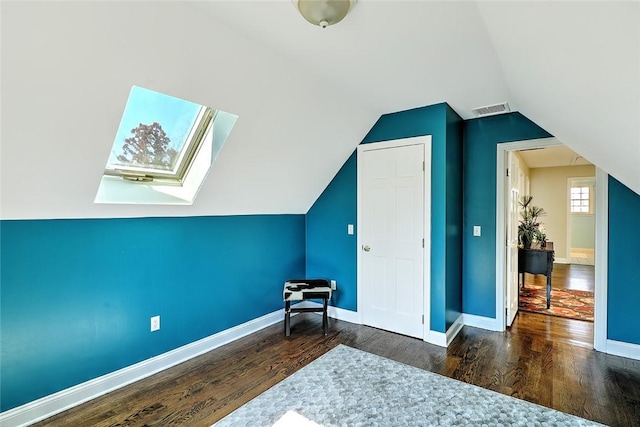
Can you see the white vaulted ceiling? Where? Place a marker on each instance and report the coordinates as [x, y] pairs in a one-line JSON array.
[[305, 96]]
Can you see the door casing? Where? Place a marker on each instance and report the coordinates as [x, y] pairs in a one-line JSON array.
[[513, 194]]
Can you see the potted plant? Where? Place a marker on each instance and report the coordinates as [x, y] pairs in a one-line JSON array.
[[530, 228]]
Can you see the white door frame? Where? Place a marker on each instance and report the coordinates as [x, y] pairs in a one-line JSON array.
[[426, 142], [602, 232], [512, 283]]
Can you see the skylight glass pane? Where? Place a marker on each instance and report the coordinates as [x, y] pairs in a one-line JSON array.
[[154, 132]]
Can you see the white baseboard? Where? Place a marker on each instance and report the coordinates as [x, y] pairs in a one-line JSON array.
[[305, 304], [481, 322], [333, 312], [444, 339], [624, 349], [436, 338], [345, 315], [562, 260], [590, 251], [454, 329], [57, 402]]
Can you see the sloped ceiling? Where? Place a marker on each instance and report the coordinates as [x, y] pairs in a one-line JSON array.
[[573, 67], [306, 96]]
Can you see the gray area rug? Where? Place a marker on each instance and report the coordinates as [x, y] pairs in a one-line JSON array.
[[349, 387]]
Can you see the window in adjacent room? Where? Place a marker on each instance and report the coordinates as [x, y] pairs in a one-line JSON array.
[[163, 149], [580, 199]]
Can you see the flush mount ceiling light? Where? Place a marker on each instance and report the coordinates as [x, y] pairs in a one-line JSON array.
[[324, 12]]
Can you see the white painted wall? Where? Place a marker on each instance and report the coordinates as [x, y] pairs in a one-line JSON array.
[[549, 191], [522, 164], [305, 96], [562, 60], [67, 68]]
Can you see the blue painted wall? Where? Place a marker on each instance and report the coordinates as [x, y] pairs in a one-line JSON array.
[[445, 127], [623, 272], [454, 203], [337, 206], [481, 137], [331, 252], [77, 295]]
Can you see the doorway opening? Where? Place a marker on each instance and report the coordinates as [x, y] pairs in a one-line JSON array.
[[565, 274]]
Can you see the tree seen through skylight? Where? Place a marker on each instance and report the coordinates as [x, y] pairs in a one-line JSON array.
[[149, 146], [153, 130]]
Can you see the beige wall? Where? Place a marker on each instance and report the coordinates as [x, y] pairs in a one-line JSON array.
[[523, 165], [549, 191]]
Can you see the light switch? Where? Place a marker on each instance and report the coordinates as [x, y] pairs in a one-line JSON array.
[[476, 230], [349, 228]]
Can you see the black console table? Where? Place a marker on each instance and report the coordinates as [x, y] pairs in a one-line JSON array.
[[536, 261]]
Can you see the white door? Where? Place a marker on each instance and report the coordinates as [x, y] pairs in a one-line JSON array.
[[392, 231], [512, 237]]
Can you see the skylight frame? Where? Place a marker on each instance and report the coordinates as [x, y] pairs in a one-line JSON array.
[[195, 135], [204, 120]]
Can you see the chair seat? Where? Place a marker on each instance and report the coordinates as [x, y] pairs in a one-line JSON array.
[[298, 290]]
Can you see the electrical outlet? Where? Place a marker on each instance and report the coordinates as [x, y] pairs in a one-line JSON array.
[[155, 323], [333, 285], [477, 230]]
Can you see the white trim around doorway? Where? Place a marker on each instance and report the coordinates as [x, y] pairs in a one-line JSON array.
[[601, 261], [602, 200]]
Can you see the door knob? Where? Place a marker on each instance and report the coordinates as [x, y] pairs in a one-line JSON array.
[[366, 248]]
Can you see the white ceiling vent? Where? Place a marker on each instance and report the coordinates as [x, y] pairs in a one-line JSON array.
[[491, 110]]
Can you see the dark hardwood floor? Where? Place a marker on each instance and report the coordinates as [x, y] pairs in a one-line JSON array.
[[574, 276], [541, 359], [566, 276]]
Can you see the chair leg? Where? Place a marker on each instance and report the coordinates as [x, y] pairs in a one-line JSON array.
[[325, 320], [287, 318]]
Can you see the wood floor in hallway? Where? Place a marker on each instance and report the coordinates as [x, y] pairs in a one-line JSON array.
[[541, 359], [566, 276]]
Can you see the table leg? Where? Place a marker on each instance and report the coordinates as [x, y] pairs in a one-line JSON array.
[[548, 290]]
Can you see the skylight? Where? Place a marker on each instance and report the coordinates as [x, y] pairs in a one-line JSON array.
[[163, 144]]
